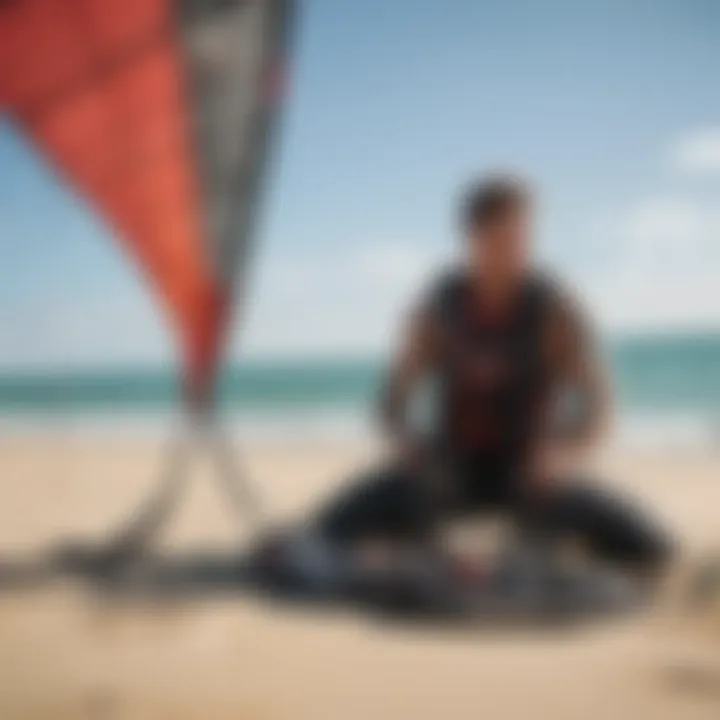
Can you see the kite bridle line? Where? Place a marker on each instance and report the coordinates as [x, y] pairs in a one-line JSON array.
[[200, 429]]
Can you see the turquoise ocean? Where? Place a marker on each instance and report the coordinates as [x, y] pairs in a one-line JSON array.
[[665, 383]]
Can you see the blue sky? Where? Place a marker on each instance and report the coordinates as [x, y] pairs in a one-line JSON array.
[[612, 108]]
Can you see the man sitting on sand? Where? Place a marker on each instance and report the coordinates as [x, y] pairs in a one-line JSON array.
[[521, 396]]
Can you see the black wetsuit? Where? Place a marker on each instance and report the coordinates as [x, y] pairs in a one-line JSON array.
[[494, 382]]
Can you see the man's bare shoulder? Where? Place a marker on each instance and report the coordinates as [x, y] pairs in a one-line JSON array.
[[570, 329], [562, 298], [441, 292]]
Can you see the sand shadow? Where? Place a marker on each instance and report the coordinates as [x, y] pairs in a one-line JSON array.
[[186, 577]]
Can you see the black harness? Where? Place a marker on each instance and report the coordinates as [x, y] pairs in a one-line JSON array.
[[492, 372]]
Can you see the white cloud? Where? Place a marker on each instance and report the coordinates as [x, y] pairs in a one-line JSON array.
[[666, 221], [665, 270], [339, 301], [662, 265], [698, 151], [81, 331]]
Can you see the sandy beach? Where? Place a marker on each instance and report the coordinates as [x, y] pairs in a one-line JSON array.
[[65, 652]]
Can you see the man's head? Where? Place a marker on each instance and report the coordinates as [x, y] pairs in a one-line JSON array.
[[496, 217]]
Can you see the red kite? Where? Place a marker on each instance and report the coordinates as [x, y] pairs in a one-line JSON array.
[[159, 113]]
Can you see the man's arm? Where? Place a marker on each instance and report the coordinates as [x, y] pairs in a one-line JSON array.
[[578, 415], [412, 363], [580, 370]]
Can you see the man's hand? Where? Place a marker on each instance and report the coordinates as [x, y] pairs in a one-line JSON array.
[[411, 450], [552, 464]]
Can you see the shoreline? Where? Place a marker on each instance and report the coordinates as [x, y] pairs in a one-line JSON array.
[[633, 431]]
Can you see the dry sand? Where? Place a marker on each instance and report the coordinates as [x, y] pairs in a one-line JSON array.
[[65, 653]]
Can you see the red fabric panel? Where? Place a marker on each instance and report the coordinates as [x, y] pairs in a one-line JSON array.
[[98, 85]]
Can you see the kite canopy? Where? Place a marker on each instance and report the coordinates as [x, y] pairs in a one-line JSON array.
[[159, 113]]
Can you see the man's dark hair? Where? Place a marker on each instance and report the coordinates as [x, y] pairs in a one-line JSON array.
[[491, 198]]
